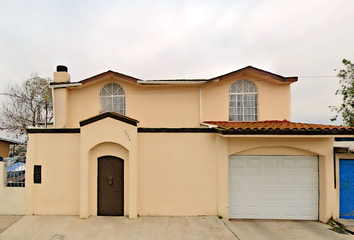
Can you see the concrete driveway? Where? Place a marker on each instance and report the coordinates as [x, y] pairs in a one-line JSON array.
[[283, 230], [71, 227]]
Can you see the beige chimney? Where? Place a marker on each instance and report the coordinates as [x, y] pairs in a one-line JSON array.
[[61, 75]]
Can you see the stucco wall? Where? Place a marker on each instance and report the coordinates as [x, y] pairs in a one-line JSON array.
[[153, 106], [177, 174], [58, 194], [12, 199], [61, 108], [107, 137], [273, 99], [165, 173], [171, 105]]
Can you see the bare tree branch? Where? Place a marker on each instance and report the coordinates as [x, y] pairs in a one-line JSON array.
[[27, 104]]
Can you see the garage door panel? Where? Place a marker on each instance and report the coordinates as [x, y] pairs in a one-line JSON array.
[[238, 211], [288, 163], [272, 179], [271, 163], [273, 187], [254, 163], [290, 179], [254, 179], [271, 195], [255, 210]]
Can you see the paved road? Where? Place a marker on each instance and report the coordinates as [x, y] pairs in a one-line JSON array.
[[71, 227]]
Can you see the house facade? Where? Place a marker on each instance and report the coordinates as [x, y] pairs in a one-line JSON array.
[[220, 146]]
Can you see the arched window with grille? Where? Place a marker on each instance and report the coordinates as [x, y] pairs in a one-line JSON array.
[[112, 98], [243, 101]]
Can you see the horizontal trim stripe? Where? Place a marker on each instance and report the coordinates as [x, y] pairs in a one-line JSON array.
[[176, 130], [53, 130]]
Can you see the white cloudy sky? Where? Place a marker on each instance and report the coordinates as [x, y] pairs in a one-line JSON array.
[[172, 39]]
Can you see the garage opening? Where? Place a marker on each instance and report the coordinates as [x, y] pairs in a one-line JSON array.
[[273, 187]]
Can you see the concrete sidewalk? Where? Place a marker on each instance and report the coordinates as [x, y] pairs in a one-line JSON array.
[[71, 227], [74, 228], [348, 223], [7, 220]]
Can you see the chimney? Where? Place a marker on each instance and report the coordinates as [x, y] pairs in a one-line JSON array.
[[61, 75]]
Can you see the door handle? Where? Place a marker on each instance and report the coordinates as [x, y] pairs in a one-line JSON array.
[[110, 180]]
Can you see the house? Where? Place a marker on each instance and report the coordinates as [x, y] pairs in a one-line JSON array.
[[220, 146], [5, 147], [344, 162], [12, 193]]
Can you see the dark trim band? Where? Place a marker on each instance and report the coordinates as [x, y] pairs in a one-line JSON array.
[[111, 115], [53, 130], [176, 130]]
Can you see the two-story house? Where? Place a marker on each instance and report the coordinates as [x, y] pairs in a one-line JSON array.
[[220, 146]]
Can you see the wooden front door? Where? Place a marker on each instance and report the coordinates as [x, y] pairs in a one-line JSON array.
[[110, 186]]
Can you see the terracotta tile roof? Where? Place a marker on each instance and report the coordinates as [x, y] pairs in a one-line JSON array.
[[284, 127]]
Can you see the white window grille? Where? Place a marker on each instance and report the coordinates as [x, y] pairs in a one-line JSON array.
[[15, 174], [243, 101], [112, 98]]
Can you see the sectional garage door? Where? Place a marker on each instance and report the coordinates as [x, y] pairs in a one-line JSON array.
[[273, 187]]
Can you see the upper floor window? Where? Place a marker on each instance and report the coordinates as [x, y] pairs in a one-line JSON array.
[[112, 98], [243, 101]]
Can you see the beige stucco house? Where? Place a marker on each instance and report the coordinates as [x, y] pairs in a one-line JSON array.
[[220, 146]]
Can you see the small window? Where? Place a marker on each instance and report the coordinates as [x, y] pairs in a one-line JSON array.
[[37, 174], [243, 101], [112, 98]]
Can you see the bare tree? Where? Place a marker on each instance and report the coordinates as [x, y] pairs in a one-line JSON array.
[[27, 104]]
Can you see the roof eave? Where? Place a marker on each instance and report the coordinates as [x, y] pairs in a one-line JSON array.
[[281, 79]]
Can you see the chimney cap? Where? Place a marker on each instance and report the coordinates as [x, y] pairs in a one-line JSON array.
[[62, 68]]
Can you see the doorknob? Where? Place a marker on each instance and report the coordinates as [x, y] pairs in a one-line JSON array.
[[110, 180]]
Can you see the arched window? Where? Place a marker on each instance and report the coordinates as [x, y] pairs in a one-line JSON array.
[[112, 98], [243, 101]]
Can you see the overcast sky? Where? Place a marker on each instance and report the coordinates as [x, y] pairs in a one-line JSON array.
[[184, 39]]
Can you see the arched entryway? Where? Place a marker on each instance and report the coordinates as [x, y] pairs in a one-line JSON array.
[[110, 186]]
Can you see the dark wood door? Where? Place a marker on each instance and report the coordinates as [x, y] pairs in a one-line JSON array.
[[110, 186]]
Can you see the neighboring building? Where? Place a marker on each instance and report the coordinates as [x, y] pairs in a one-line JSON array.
[[5, 146], [344, 162], [219, 146]]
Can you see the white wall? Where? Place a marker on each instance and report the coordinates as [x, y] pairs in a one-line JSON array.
[[12, 199]]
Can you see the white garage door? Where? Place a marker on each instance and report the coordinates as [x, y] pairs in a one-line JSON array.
[[273, 187]]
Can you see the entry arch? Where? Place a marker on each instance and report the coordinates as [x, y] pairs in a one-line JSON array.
[[100, 150]]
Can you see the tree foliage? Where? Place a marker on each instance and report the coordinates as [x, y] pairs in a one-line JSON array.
[[27, 104], [346, 79]]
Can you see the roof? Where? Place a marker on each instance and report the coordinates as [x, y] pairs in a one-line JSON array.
[[10, 141], [279, 127], [113, 115], [257, 71], [109, 73], [275, 77]]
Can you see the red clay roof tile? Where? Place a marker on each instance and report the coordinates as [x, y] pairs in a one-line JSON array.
[[273, 125]]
